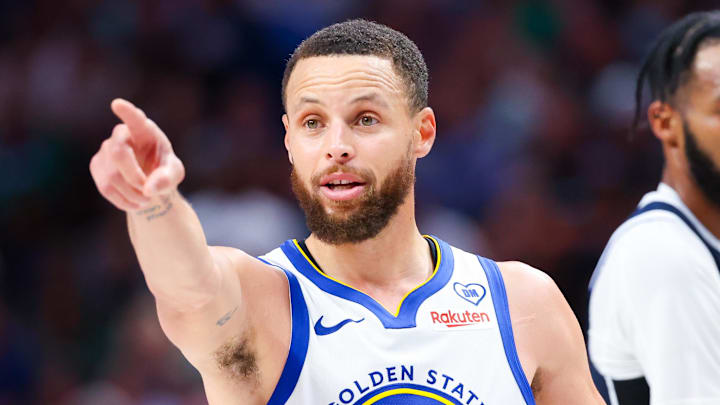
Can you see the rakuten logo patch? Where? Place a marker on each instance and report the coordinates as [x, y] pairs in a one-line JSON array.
[[452, 319]]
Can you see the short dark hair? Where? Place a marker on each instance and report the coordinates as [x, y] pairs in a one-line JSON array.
[[362, 37], [668, 65]]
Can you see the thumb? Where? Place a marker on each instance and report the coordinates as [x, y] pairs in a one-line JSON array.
[[165, 178]]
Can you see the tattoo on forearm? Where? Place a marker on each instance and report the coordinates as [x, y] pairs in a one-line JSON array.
[[222, 321], [157, 211]]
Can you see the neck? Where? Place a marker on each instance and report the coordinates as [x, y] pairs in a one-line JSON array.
[[703, 209], [384, 267]]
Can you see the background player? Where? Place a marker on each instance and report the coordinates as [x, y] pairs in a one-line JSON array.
[[357, 120], [655, 295]]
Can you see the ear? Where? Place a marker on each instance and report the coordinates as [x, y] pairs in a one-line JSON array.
[[666, 124], [286, 124], [424, 133]]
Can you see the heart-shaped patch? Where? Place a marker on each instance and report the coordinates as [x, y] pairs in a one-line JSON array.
[[472, 293]]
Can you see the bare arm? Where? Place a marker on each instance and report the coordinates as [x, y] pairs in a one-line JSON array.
[[200, 302], [137, 170], [548, 338], [171, 248]]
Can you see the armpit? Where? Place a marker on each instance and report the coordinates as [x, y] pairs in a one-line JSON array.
[[238, 359], [536, 384]]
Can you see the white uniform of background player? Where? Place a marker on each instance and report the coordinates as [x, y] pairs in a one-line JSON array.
[[655, 294]]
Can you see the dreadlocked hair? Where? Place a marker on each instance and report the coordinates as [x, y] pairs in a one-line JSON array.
[[668, 65]]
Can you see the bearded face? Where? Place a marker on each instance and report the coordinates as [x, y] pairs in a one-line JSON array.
[[360, 218]]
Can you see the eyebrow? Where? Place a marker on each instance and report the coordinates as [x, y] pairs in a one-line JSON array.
[[372, 97], [308, 100]]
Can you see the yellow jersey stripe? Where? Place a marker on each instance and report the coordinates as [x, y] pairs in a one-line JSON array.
[[437, 266], [397, 312], [412, 391]]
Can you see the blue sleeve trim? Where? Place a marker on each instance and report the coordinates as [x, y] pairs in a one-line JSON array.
[[300, 336], [502, 312]]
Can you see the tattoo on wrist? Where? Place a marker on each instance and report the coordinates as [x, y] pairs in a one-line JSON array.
[[223, 320], [158, 210]]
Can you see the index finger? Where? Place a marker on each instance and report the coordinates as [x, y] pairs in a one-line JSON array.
[[133, 117]]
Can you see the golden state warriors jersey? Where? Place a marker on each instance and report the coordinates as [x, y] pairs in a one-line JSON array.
[[449, 342]]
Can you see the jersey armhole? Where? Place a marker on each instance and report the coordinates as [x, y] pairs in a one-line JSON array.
[[502, 312], [300, 336]]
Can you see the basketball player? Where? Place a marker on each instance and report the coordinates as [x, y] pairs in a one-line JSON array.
[[655, 295], [366, 310]]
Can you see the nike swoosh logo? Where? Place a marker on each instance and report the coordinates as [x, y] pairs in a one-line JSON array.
[[321, 330]]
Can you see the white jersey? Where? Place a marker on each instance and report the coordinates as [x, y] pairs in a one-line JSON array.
[[655, 306], [449, 342]]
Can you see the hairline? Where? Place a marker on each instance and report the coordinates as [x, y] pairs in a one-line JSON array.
[[680, 97], [406, 82]]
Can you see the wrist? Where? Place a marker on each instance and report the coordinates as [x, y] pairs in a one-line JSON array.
[[158, 206]]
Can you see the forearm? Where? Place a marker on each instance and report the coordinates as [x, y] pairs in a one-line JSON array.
[[172, 251]]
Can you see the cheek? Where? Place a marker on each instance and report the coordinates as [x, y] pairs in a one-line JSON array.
[[304, 154], [707, 134]]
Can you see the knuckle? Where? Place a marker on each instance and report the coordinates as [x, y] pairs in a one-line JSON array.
[[106, 189], [115, 177], [118, 151], [106, 144], [93, 163], [118, 129]]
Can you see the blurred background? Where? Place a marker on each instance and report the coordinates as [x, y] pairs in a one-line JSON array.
[[532, 162]]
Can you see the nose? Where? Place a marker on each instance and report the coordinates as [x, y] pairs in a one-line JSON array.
[[339, 147]]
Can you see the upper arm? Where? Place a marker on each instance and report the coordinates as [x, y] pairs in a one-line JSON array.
[[549, 335], [228, 317]]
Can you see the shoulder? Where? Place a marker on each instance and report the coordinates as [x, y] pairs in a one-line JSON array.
[[242, 265], [547, 335], [658, 232], [535, 302], [527, 285], [657, 244]]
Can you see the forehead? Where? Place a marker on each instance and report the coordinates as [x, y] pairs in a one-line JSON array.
[[706, 69], [342, 76]]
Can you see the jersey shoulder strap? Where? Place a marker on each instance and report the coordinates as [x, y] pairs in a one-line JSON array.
[[667, 207]]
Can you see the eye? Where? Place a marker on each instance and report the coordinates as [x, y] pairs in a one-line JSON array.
[[312, 124], [367, 121]]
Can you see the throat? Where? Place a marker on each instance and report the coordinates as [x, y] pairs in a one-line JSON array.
[[387, 288], [430, 242]]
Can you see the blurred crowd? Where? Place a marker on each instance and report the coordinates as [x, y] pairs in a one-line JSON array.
[[533, 159]]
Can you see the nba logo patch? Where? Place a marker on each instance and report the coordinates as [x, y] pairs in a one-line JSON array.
[[472, 293]]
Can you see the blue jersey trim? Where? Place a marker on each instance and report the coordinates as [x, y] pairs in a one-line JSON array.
[[300, 336], [667, 207], [411, 303], [502, 312]]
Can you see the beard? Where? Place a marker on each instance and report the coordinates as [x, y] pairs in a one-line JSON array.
[[702, 168], [361, 218]]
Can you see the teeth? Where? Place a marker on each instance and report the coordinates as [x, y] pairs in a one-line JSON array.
[[340, 182]]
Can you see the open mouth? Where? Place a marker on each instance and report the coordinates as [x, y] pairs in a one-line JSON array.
[[342, 186]]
